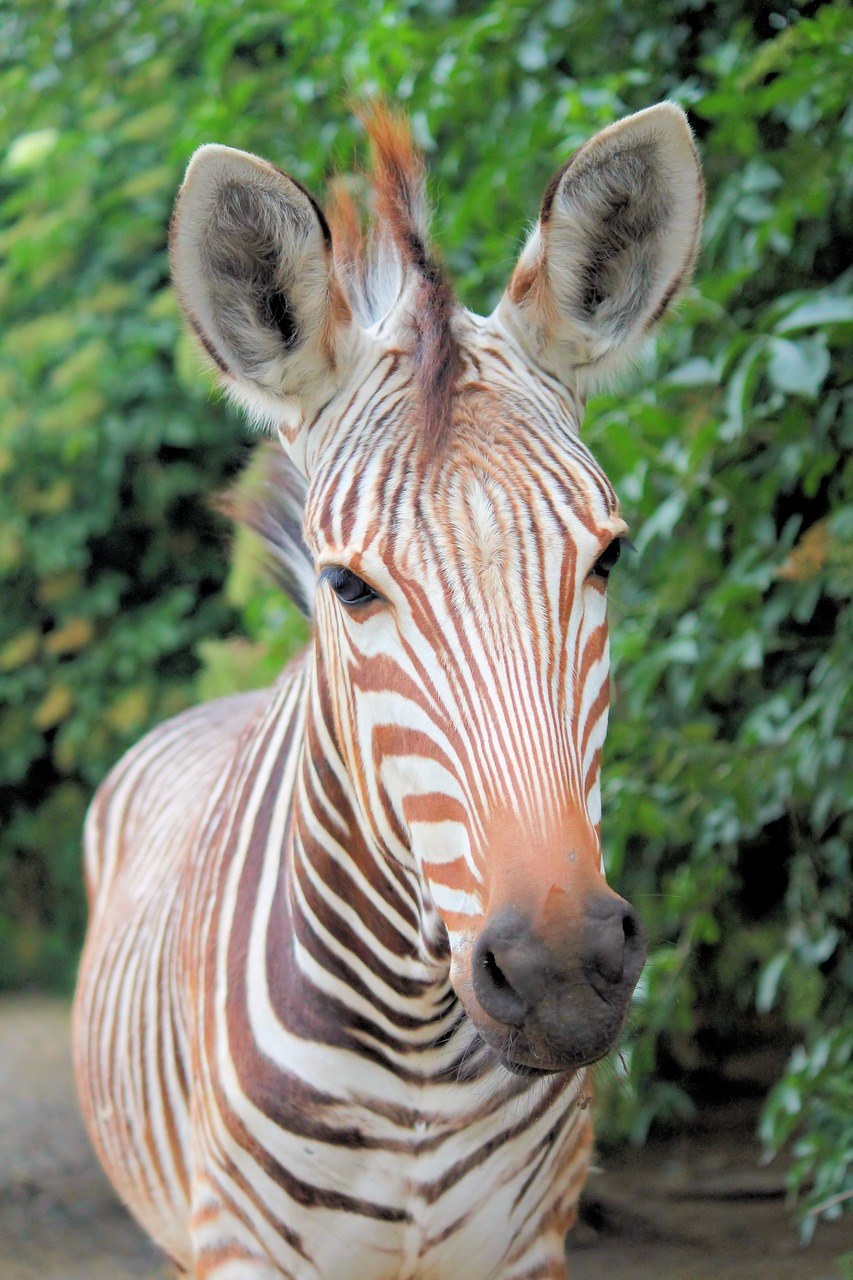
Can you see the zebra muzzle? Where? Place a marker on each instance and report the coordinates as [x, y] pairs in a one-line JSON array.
[[556, 1000]]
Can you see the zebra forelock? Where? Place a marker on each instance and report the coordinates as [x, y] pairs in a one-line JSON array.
[[394, 262]]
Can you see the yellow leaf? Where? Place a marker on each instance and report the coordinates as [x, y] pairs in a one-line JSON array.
[[70, 638], [49, 501], [20, 649], [11, 549], [103, 120], [42, 334], [85, 406], [129, 710], [59, 587], [34, 230], [82, 365], [148, 183], [164, 305], [54, 707], [109, 298], [51, 268], [66, 750], [809, 556], [152, 123], [13, 420]]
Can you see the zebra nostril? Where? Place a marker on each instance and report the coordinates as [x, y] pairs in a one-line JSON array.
[[614, 947], [494, 990], [495, 972], [635, 944]]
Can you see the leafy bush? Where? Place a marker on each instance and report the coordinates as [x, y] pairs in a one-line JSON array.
[[725, 769], [812, 1108]]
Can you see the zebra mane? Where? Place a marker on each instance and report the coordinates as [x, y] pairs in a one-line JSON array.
[[392, 256], [269, 499]]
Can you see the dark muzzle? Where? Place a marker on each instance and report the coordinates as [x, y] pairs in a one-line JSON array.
[[558, 997]]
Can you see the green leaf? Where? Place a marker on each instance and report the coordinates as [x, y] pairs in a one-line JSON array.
[[798, 368], [30, 150], [827, 310], [768, 983]]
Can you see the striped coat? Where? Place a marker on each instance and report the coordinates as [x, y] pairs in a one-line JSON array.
[[351, 950]]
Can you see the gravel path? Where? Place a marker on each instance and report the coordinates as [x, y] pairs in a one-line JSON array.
[[697, 1209]]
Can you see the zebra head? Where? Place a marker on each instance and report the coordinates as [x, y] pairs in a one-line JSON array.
[[461, 534]]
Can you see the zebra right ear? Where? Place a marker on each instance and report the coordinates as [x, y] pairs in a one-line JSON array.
[[251, 257], [617, 235]]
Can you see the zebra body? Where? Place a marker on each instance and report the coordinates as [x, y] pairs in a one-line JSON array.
[[351, 950], [398, 1157]]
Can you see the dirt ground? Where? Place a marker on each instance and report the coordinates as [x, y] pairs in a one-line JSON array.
[[699, 1208]]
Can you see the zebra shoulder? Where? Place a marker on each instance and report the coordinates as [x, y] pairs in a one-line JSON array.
[[174, 764]]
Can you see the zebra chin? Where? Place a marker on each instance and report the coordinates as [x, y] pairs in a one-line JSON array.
[[531, 1053], [552, 1002]]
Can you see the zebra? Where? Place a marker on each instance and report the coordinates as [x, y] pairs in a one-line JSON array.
[[351, 949]]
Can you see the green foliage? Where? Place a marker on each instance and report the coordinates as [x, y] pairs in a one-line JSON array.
[[727, 774], [812, 1108], [725, 771]]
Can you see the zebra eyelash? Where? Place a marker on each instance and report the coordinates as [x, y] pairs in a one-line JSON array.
[[349, 588], [609, 558]]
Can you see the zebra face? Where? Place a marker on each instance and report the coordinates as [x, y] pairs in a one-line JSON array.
[[461, 633], [462, 534]]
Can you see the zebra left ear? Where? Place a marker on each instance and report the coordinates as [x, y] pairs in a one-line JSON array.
[[616, 239], [251, 256]]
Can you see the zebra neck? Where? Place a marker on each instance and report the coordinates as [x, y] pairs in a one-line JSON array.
[[326, 939], [357, 945]]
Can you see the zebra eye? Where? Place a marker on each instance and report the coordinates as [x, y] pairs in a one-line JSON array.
[[607, 560], [348, 587]]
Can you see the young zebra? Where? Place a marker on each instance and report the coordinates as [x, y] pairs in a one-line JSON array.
[[351, 947]]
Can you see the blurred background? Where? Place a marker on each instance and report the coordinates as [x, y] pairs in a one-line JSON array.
[[125, 597]]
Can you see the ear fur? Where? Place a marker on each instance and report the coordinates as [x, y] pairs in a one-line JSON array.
[[616, 240], [251, 257]]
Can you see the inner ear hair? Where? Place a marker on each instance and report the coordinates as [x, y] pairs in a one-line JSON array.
[[248, 247], [615, 243], [252, 263], [620, 206]]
